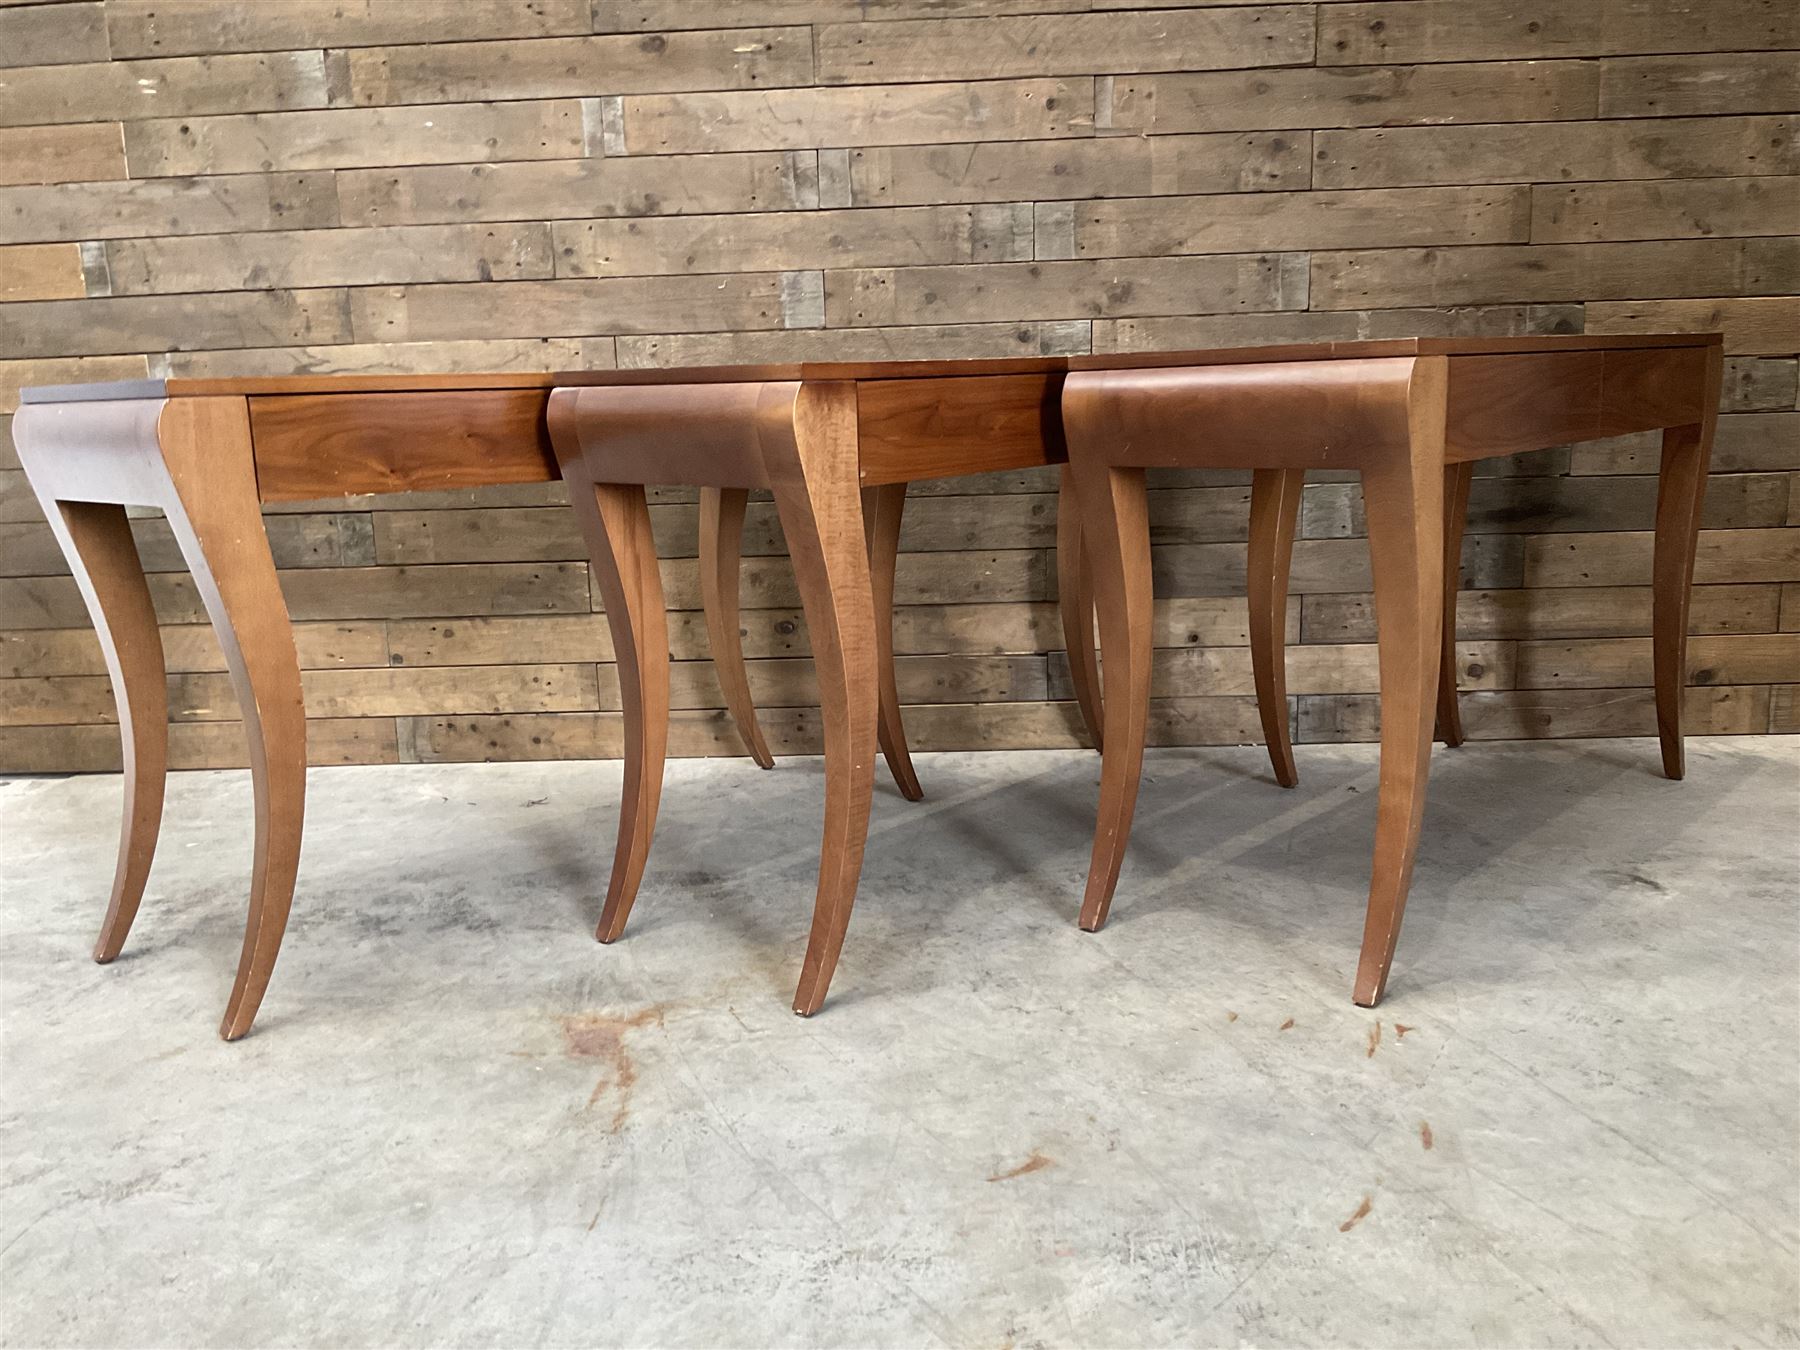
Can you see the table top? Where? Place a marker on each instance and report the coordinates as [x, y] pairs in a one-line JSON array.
[[263, 385]]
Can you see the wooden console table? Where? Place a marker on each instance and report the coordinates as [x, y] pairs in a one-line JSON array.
[[211, 452], [1410, 418], [836, 443]]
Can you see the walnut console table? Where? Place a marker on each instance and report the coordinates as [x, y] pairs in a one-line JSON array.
[[836, 444], [211, 452], [1411, 418]]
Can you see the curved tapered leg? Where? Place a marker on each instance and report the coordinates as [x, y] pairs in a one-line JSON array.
[[1681, 490], [883, 508], [217, 520], [615, 521], [1075, 600], [1403, 498], [1274, 520], [1116, 530], [721, 542], [808, 443], [1456, 514], [96, 539]]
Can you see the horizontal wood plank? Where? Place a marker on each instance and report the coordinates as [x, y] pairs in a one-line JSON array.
[[1549, 272], [195, 745], [59, 154], [163, 323], [338, 593], [141, 28], [187, 648], [1000, 171], [1689, 86], [1742, 445], [1550, 713], [641, 16], [1067, 337], [41, 272], [373, 692], [1555, 612], [1401, 31], [1723, 556], [1194, 332], [1370, 96], [470, 355], [1064, 44], [45, 35], [1607, 663], [803, 119], [1751, 324], [1550, 504], [579, 188], [324, 540], [286, 260], [1064, 290], [189, 86], [452, 72], [579, 307], [1700, 147], [1701, 208], [1160, 226], [793, 240], [354, 137], [165, 206]]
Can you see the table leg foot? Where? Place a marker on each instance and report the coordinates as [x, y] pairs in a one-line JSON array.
[[1403, 499], [808, 440], [1274, 520], [1456, 513], [216, 518], [1681, 490], [1075, 600], [721, 544], [96, 539], [1116, 532], [615, 521], [883, 508]]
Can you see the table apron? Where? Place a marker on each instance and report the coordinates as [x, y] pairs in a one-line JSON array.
[[950, 426], [309, 446], [1506, 404]]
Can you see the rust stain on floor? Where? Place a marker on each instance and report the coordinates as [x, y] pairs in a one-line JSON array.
[[1400, 1030], [1362, 1212], [601, 1036], [1425, 1133], [1287, 1025], [1374, 1040], [1037, 1162]]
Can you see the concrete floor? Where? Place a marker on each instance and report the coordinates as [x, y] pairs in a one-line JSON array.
[[1576, 1120]]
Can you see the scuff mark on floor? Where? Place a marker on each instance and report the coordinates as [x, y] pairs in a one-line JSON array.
[[602, 1037], [1400, 1030], [1037, 1162], [1425, 1134], [1374, 1040], [1287, 1025], [1362, 1212]]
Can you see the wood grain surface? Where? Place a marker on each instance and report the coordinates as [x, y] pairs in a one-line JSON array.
[[202, 193]]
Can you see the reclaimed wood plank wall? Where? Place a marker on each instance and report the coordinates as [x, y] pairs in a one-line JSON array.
[[199, 188]]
